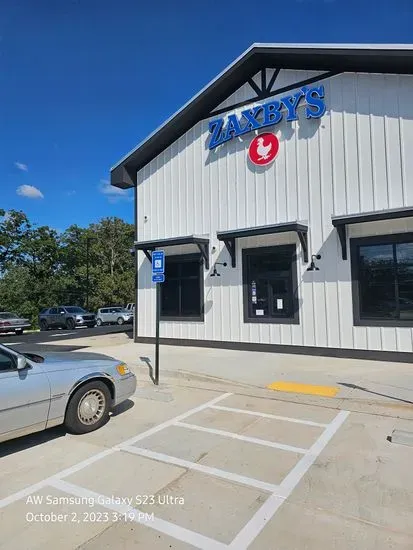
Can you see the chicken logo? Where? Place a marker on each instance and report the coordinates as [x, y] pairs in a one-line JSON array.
[[263, 149]]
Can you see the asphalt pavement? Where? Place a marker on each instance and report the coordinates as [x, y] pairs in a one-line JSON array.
[[40, 341]]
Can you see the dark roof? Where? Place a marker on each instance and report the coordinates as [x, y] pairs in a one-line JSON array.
[[174, 241], [389, 214], [262, 230], [378, 58]]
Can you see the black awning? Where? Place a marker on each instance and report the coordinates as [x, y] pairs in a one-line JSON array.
[[341, 222], [201, 242], [228, 237]]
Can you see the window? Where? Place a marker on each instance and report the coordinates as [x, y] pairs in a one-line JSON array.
[[182, 293], [6, 361], [382, 273], [270, 285], [72, 309], [53, 311]]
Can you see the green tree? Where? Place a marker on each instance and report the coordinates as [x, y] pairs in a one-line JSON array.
[[14, 227]]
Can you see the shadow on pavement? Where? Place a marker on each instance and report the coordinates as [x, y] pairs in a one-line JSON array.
[[122, 407], [150, 368], [32, 440], [355, 387]]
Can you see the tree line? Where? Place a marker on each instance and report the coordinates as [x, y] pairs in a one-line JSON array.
[[40, 267]]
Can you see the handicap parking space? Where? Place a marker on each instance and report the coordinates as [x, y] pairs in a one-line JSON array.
[[199, 469]]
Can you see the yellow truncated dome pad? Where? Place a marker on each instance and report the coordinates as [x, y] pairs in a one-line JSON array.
[[296, 387]]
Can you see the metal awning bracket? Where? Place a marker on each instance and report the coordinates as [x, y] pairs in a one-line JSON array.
[[230, 245], [342, 235], [204, 250], [303, 236]]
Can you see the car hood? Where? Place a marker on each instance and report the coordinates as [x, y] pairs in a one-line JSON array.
[[69, 360]]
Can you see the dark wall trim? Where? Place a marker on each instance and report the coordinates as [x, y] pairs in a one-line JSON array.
[[344, 353], [354, 245]]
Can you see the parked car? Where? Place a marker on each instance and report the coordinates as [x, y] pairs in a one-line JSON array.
[[109, 315], [130, 307], [11, 322], [74, 389], [66, 317]]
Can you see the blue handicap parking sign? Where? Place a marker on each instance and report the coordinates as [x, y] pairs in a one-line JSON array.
[[158, 261]]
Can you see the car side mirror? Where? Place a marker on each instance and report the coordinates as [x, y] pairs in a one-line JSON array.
[[21, 362]]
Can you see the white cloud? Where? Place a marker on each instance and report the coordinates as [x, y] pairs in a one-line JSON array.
[[70, 193], [114, 194], [29, 191], [21, 166]]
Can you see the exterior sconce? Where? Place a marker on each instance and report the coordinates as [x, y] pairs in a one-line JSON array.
[[312, 266], [215, 272]]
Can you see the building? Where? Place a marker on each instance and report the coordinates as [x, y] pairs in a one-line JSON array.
[[294, 167]]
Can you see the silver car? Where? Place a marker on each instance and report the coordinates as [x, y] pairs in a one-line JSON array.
[[109, 315], [74, 389], [11, 322]]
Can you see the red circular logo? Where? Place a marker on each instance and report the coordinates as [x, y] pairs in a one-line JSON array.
[[263, 149]]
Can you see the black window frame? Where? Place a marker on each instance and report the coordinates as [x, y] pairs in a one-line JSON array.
[[355, 243], [295, 318], [13, 360], [179, 258]]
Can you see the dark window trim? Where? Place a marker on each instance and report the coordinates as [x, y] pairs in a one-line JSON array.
[[398, 238], [295, 319], [188, 258], [13, 359]]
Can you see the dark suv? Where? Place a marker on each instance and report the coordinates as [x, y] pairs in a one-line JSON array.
[[66, 317]]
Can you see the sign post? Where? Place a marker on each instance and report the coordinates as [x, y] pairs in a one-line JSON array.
[[158, 277]]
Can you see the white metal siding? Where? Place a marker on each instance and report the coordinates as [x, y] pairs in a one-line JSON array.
[[356, 158]]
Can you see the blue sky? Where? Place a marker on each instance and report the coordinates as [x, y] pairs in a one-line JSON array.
[[83, 81]]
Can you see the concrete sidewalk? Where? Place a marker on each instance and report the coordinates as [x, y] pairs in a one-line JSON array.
[[376, 387]]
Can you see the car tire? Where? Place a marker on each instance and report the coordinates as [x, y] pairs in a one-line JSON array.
[[43, 325], [19, 331], [70, 324], [120, 321], [99, 322], [88, 408]]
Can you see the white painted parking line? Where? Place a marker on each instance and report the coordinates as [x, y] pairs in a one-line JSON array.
[[61, 334], [63, 473], [216, 472], [261, 518], [12, 343], [254, 440], [272, 416], [163, 526], [173, 421], [80, 465]]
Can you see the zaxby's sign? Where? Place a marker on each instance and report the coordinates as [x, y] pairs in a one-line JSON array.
[[267, 114]]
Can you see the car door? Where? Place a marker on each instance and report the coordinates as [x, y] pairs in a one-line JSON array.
[[61, 317], [114, 314], [105, 316], [52, 317], [24, 397]]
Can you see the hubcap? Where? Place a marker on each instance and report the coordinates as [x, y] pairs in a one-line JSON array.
[[91, 407]]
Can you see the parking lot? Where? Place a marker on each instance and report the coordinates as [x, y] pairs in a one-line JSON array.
[[188, 467]]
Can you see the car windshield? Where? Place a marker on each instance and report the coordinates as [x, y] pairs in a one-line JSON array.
[[71, 309], [8, 315]]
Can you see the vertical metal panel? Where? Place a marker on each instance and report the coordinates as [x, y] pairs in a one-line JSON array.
[[356, 158]]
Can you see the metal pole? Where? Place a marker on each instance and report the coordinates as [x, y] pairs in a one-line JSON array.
[[87, 273], [158, 314]]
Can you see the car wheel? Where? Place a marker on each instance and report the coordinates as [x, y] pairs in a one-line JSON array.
[[88, 408], [120, 321], [99, 322], [19, 331], [44, 325], [70, 324]]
